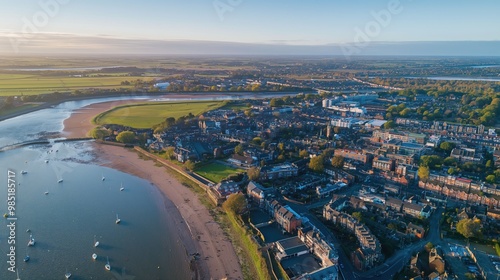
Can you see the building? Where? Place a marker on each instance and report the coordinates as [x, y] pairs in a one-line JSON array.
[[357, 155], [290, 247], [383, 163], [383, 135], [256, 192], [226, 188], [278, 171], [415, 230], [370, 252], [344, 122], [243, 161], [288, 219], [319, 247], [466, 155]]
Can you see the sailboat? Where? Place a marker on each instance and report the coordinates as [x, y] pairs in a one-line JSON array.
[[27, 258], [31, 242], [17, 272], [67, 275], [96, 243], [60, 180], [103, 178], [117, 219], [107, 266], [94, 256], [121, 187]]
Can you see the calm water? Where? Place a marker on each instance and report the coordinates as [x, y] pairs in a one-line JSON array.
[[64, 221]]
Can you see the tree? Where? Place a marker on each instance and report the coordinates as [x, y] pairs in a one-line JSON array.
[[358, 216], [281, 146], [99, 133], [235, 203], [276, 102], [469, 227], [338, 161], [253, 173], [449, 161], [428, 247], [491, 179], [126, 137], [170, 121], [316, 164], [189, 165], [489, 164], [303, 154], [423, 172], [452, 171], [447, 146], [431, 161], [170, 151], [239, 149], [257, 140], [389, 125]]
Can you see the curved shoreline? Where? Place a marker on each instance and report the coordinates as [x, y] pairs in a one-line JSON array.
[[217, 257]]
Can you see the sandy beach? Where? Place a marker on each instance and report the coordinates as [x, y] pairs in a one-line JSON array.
[[195, 226]]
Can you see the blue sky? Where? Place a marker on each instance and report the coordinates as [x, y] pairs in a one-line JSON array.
[[289, 22]]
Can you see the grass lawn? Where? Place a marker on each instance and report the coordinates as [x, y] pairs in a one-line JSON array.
[[215, 172], [31, 84], [146, 115], [17, 109]]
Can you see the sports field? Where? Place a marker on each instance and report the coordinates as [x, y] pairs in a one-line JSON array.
[[216, 172], [145, 115]]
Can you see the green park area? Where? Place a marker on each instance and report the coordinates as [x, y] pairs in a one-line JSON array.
[[216, 172], [146, 115]]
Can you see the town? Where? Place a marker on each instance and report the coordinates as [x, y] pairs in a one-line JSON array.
[[348, 185]]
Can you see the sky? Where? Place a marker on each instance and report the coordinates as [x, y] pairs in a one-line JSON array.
[[351, 26]]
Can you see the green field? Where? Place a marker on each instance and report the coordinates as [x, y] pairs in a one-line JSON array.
[[216, 172], [146, 115], [31, 84]]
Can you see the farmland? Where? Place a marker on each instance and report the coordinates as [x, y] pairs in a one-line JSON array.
[[38, 83]]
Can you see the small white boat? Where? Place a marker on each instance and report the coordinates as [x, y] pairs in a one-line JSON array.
[[46, 193], [107, 266], [117, 219], [94, 256], [24, 171], [103, 178], [67, 275], [31, 242], [96, 243], [46, 161], [60, 180]]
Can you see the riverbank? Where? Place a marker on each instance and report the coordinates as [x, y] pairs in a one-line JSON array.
[[200, 234]]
